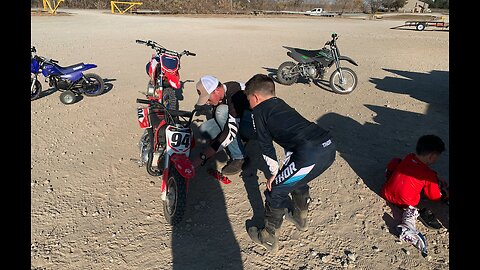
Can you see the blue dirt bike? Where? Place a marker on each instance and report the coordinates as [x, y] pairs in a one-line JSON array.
[[70, 80]]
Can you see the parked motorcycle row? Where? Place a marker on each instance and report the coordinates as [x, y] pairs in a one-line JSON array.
[[168, 138]]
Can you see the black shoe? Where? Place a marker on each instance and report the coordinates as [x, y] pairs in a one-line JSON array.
[[428, 219], [234, 166]]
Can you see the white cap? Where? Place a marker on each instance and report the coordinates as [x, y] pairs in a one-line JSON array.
[[206, 85]]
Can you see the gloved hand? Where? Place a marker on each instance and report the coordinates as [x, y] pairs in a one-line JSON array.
[[445, 190]]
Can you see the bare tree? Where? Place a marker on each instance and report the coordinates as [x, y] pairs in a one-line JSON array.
[[373, 5]]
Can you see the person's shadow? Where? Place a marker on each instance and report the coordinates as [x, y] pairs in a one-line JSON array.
[[204, 239], [252, 184]]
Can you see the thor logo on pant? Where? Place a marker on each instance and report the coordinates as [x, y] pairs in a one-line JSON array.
[[286, 173]]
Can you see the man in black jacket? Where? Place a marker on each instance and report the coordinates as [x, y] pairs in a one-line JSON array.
[[309, 151]]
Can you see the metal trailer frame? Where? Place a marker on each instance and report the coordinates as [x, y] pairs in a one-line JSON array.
[[421, 25]]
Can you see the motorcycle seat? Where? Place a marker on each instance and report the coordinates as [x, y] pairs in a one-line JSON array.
[[298, 54], [71, 69]]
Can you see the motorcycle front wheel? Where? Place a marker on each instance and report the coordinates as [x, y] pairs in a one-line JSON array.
[[287, 73], [170, 98], [35, 89], [176, 197], [349, 81], [93, 85]]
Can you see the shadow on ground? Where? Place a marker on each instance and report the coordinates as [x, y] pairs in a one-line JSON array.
[[205, 238], [367, 147]]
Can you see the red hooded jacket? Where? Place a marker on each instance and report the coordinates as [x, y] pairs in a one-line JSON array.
[[407, 180]]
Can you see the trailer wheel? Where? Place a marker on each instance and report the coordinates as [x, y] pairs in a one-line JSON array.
[[420, 26]]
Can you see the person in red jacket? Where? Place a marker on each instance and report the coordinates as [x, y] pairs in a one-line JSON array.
[[407, 178]]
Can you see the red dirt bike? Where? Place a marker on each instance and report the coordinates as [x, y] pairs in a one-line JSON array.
[[166, 149], [162, 69]]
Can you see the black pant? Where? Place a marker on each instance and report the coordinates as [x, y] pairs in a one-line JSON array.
[[301, 166]]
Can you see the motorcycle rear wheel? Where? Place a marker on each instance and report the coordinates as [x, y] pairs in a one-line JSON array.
[[176, 198], [287, 73], [170, 98], [35, 89], [349, 84], [93, 85]]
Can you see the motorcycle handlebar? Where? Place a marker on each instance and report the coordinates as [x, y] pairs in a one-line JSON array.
[[152, 44], [160, 106], [332, 42], [185, 52], [47, 60]]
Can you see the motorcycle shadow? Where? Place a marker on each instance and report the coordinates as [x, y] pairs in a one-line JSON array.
[[323, 84], [108, 85], [272, 73], [47, 92]]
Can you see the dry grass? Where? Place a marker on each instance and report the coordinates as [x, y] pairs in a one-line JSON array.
[[46, 13]]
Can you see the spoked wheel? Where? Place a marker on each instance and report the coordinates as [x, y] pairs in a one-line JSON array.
[[348, 84], [35, 89], [68, 97], [170, 99], [176, 197], [287, 73], [93, 85]]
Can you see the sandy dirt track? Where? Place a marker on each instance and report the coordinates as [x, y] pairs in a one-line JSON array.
[[92, 207]]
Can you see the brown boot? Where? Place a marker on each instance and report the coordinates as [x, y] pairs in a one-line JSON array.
[[266, 236], [233, 166], [298, 214]]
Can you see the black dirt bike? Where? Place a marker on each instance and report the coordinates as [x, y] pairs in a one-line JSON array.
[[313, 64]]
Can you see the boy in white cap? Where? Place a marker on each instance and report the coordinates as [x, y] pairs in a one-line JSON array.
[[232, 120]]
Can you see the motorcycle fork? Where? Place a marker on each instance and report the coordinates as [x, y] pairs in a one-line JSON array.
[[164, 180], [33, 82], [165, 175], [337, 65], [160, 85]]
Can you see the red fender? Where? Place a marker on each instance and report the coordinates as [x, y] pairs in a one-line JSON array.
[[152, 68], [173, 79], [183, 165]]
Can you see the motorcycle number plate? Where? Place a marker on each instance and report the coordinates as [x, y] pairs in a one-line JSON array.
[[142, 115], [179, 140]]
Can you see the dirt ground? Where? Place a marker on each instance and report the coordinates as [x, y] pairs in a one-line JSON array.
[[92, 207]]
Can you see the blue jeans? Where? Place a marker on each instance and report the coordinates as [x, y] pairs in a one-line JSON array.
[[212, 127]]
